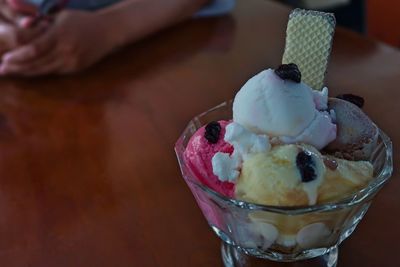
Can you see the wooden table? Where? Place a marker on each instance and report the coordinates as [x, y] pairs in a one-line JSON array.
[[88, 175]]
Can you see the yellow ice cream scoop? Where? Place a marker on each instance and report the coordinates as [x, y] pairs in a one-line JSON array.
[[296, 175]]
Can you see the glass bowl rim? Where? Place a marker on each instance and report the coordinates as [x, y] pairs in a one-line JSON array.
[[373, 186]]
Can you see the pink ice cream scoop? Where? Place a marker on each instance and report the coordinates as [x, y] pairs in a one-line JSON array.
[[202, 146]]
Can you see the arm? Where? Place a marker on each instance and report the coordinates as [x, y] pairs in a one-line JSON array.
[[132, 20], [78, 39]]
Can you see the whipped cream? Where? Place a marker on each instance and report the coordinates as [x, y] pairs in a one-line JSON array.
[[321, 99], [226, 167], [244, 141]]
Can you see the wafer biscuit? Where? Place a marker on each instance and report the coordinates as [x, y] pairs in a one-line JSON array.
[[309, 36]]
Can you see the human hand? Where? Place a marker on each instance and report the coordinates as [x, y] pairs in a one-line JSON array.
[[8, 29], [74, 41], [11, 32], [12, 36]]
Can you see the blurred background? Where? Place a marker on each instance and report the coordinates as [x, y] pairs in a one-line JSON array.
[[377, 19]]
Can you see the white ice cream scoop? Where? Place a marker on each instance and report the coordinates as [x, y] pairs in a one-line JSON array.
[[268, 104]]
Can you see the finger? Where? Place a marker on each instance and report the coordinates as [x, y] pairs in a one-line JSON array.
[[46, 64], [31, 51], [25, 35], [49, 68], [6, 14], [8, 37], [33, 21], [21, 6], [27, 22]]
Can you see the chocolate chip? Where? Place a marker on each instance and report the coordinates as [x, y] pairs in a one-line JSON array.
[[289, 72], [355, 99], [212, 132], [305, 164], [331, 163]]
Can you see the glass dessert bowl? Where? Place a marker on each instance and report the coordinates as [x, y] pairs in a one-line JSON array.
[[253, 233]]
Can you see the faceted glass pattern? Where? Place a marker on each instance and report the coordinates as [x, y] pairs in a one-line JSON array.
[[281, 233]]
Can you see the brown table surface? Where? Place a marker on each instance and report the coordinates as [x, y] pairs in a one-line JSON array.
[[88, 175]]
